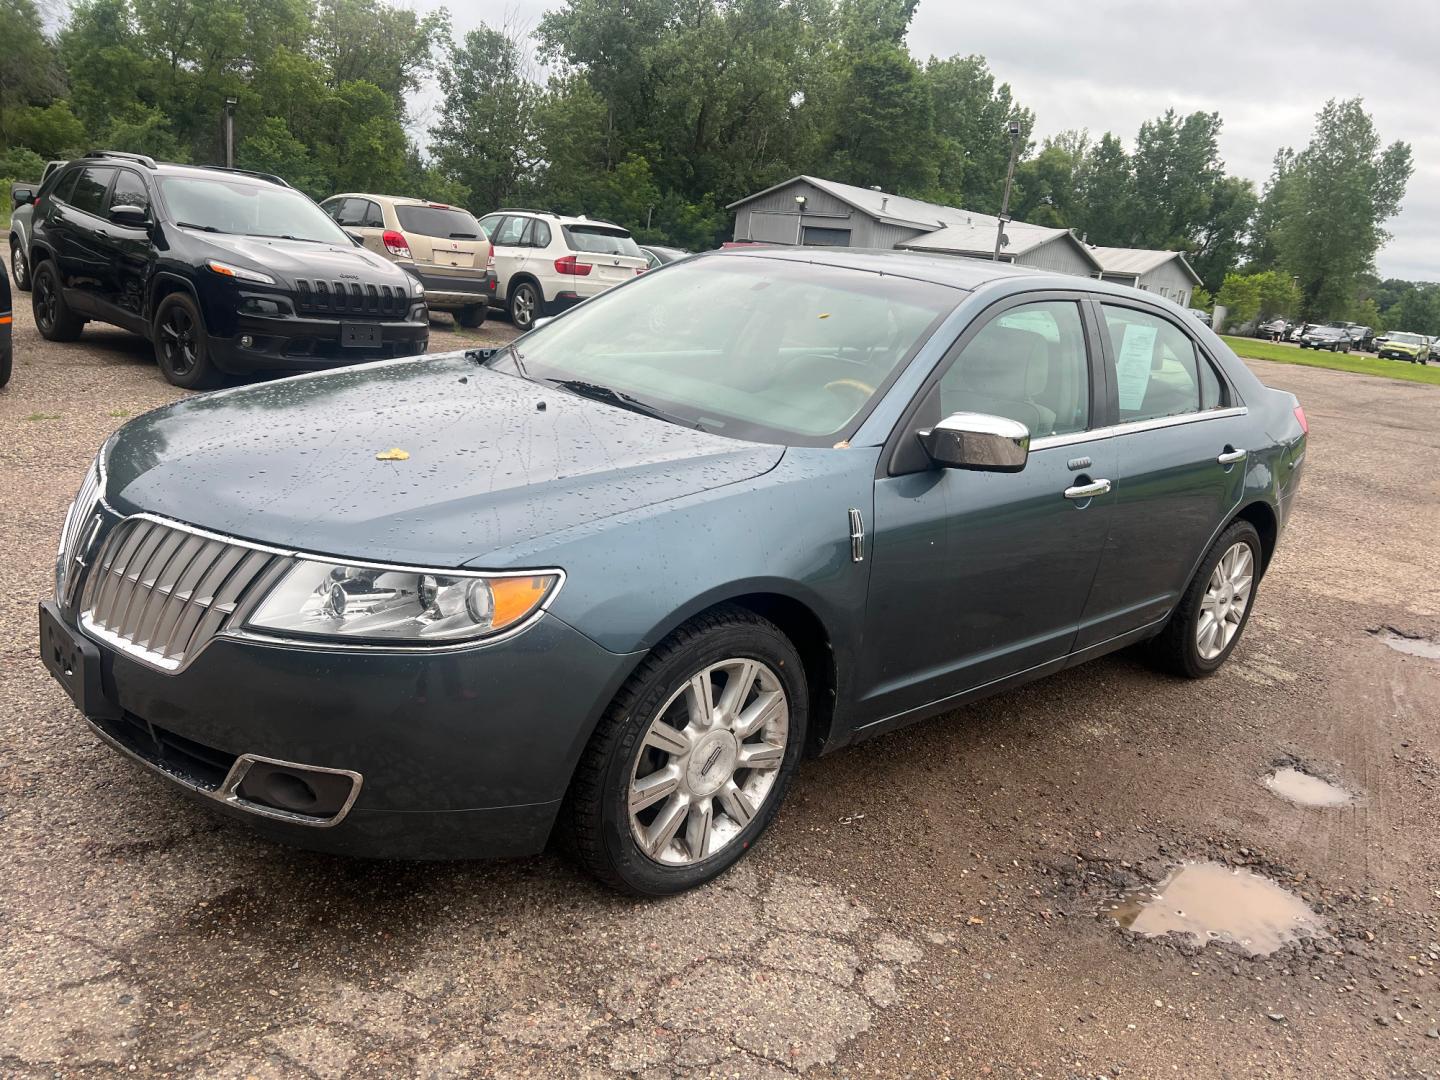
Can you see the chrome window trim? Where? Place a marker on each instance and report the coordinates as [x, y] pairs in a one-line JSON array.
[[1048, 442], [235, 629]]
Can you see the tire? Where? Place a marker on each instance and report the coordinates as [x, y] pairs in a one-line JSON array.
[[19, 268], [523, 305], [180, 349], [472, 316], [53, 317], [7, 360], [1177, 649], [635, 852]]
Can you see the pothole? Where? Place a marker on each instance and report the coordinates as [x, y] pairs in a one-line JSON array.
[[1306, 790], [1208, 901], [1407, 643]]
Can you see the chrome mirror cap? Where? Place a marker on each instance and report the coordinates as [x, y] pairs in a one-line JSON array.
[[978, 441]]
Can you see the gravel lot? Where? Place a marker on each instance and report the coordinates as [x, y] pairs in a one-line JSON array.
[[929, 904]]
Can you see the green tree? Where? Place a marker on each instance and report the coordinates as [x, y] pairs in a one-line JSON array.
[[1177, 168], [1335, 199], [972, 142], [1418, 311], [1240, 296], [30, 72], [883, 135], [1218, 241], [53, 131], [1105, 199], [1279, 294]]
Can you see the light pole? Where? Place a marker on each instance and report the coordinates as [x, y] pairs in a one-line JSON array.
[[800, 202], [230, 103], [1013, 127]]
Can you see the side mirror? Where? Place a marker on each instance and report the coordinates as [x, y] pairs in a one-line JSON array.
[[22, 196], [132, 217], [978, 441]]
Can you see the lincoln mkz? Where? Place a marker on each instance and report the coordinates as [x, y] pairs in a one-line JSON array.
[[614, 581]]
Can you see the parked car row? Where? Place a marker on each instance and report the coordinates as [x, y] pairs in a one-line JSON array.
[[230, 270]]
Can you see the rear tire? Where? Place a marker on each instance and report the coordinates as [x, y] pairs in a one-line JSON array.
[[6, 364], [662, 800], [472, 316], [19, 268], [1211, 598], [180, 346], [523, 305], [53, 317]]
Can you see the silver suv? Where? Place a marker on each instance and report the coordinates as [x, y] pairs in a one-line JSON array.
[[545, 262], [441, 246]]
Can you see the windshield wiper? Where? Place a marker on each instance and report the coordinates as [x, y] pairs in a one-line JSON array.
[[202, 228], [608, 394], [464, 236], [287, 236]]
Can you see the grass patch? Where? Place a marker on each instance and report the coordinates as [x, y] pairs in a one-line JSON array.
[[43, 416], [1256, 349], [119, 414]]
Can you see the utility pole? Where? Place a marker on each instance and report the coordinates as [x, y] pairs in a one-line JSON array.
[[1013, 127], [230, 103]]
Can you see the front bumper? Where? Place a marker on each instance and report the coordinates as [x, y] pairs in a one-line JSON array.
[[1399, 354], [291, 343], [460, 754], [446, 291]]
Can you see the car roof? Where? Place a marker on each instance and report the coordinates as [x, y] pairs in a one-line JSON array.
[[395, 200]]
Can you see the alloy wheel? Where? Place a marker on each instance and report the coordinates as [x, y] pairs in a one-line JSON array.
[[18, 269], [523, 313], [46, 302], [177, 339], [708, 761], [1227, 597]]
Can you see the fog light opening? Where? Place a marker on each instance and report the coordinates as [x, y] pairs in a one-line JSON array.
[[246, 341]]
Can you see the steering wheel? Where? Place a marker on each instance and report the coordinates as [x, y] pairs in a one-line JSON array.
[[861, 391]]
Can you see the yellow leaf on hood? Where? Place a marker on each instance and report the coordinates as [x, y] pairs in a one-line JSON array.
[[393, 454]]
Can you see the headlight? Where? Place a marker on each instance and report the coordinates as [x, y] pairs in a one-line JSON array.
[[398, 605], [239, 272], [417, 287]]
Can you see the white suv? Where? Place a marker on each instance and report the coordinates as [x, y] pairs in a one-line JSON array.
[[545, 263]]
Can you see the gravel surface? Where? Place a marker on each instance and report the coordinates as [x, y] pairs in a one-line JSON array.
[[930, 904]]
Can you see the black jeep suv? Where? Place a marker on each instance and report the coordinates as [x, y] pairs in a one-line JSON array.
[[223, 269]]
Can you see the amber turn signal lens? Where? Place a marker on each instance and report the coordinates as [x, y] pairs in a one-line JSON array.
[[517, 597]]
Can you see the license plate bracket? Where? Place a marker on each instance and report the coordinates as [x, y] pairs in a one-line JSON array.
[[75, 664], [359, 336]]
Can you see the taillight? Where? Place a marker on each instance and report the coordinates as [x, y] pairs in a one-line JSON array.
[[1304, 424], [568, 265], [640, 270], [37, 201], [490, 259], [396, 244]]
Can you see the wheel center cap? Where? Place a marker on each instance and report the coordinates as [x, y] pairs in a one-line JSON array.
[[711, 763]]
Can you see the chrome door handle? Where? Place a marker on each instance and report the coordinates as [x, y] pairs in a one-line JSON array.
[[1087, 491], [1231, 456]]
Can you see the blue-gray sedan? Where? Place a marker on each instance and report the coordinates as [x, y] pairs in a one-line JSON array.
[[617, 579]]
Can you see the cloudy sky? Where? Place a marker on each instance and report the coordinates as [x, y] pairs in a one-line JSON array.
[[1267, 66]]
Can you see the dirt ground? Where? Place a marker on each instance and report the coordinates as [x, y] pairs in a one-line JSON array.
[[930, 904]]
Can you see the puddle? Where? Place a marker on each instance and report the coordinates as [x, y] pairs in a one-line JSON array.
[[1211, 902], [1300, 787], [1409, 644]]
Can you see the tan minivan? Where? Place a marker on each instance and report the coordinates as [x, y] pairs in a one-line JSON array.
[[442, 246]]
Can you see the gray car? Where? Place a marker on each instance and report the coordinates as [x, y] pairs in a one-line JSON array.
[[617, 579]]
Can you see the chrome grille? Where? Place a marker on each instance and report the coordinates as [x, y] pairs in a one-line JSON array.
[[76, 536], [160, 593]]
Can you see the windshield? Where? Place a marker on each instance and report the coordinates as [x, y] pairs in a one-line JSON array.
[[601, 241], [249, 208], [1406, 339], [444, 221], [766, 349]]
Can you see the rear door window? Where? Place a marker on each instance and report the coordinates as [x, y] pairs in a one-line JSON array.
[[370, 216], [1157, 368], [90, 189]]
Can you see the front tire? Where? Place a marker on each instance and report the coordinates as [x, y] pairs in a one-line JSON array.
[[180, 346], [694, 756], [1206, 625], [472, 316], [53, 317], [19, 268], [524, 306]]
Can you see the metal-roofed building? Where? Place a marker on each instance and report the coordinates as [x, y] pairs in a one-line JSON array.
[[1163, 272], [808, 210]]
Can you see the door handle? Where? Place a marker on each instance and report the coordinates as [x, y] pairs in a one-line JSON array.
[[1087, 491], [1231, 456]]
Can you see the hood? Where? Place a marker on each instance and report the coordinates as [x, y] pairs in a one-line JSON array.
[[297, 258], [493, 460]]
